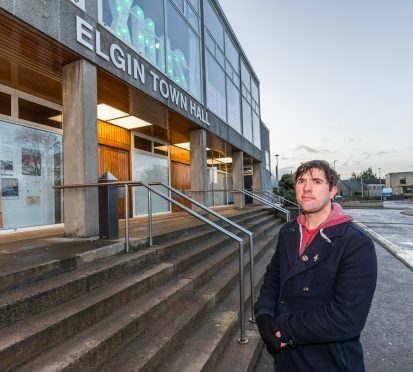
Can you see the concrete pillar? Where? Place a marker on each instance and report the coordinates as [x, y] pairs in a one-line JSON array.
[[199, 173], [238, 178], [256, 180], [81, 214]]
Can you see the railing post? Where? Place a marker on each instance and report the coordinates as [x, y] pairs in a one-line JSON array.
[[150, 217], [242, 339], [126, 218], [252, 278]]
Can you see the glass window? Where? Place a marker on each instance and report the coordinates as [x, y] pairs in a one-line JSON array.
[[5, 104], [31, 163], [209, 42], [267, 160], [245, 76], [183, 54], [192, 18], [231, 53], [149, 168], [195, 4], [402, 180], [214, 25], [160, 149], [254, 91], [234, 106], [36, 113], [180, 4], [256, 130], [143, 144], [139, 23], [215, 87], [246, 120], [220, 57]]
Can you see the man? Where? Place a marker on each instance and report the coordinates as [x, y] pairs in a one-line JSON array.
[[318, 288]]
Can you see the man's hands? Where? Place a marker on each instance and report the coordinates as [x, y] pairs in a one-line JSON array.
[[270, 333]]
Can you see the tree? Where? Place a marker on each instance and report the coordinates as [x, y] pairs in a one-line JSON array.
[[286, 188], [368, 176]]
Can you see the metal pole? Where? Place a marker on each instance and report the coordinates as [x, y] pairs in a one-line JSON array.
[[242, 339], [381, 190], [150, 217], [126, 219], [252, 279]]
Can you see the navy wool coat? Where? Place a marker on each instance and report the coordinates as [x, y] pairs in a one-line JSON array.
[[321, 299]]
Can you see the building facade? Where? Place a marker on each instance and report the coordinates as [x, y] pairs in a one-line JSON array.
[[150, 90], [401, 183]]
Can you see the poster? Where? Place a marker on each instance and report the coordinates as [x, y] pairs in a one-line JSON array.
[[1, 215], [33, 201], [9, 188], [31, 162], [6, 166]]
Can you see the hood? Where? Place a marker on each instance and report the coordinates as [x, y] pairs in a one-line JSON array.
[[336, 217]]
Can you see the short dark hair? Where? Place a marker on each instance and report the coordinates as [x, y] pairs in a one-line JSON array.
[[331, 174]]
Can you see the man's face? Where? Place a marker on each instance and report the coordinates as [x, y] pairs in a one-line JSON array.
[[313, 193]]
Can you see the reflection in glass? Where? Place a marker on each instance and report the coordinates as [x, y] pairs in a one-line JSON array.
[[213, 24], [5, 104], [245, 76], [234, 106], [140, 23], [31, 163], [183, 54], [246, 120], [149, 168], [256, 130], [215, 87], [40, 114], [231, 53]]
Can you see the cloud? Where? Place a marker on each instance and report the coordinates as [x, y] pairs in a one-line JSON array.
[[310, 150]]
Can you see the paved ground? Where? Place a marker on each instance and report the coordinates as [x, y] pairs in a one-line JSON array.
[[387, 338], [394, 224]]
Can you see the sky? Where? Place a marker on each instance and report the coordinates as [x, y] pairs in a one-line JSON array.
[[336, 79]]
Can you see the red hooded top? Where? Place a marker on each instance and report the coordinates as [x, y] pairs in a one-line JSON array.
[[336, 217]]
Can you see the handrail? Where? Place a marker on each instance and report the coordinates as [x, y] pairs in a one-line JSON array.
[[242, 339], [233, 224], [262, 200]]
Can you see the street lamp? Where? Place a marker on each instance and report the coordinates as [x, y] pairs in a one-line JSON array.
[[276, 168], [381, 190], [334, 164]]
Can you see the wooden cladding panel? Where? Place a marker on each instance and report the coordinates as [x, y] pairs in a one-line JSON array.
[[130, 100], [33, 63], [180, 179], [112, 135], [115, 161], [180, 155]]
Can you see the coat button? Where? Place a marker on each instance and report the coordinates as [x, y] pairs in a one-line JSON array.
[[304, 258], [306, 289]]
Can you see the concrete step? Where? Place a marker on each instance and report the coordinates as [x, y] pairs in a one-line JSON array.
[[92, 357], [159, 342], [101, 249], [213, 346], [41, 295], [79, 307]]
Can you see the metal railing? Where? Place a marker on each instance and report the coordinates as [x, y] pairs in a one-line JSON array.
[[266, 202], [233, 224], [126, 184], [278, 199]]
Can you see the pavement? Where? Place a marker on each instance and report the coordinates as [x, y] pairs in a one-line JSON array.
[[30, 247]]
